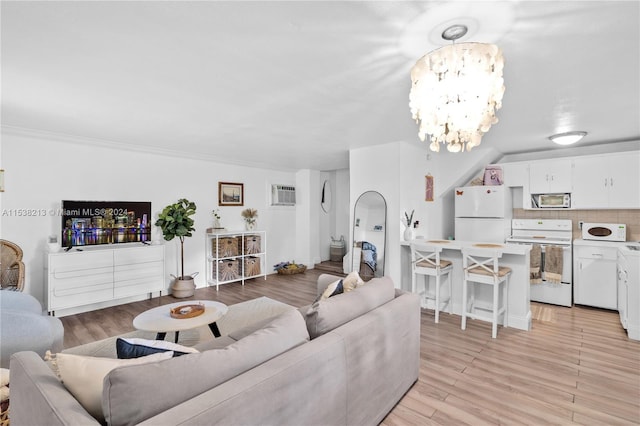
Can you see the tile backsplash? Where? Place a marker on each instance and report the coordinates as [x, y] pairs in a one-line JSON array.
[[630, 217]]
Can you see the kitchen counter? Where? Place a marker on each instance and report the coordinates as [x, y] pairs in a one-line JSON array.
[[515, 256]]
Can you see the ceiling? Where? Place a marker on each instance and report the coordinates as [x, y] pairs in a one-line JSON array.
[[296, 85]]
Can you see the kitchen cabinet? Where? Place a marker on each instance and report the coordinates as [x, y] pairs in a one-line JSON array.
[[515, 174], [606, 181], [629, 288], [595, 274], [81, 278], [623, 288], [550, 176]]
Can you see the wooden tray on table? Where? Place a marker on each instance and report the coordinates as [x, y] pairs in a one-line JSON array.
[[186, 311]]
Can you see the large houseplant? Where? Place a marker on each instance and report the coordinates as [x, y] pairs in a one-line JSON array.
[[175, 221]]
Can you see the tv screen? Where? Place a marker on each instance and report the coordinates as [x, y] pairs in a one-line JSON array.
[[89, 223]]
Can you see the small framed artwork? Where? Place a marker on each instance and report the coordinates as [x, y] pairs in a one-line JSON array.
[[230, 194], [428, 195]]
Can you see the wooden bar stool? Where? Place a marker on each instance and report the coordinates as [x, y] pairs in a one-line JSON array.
[[425, 260], [481, 266]]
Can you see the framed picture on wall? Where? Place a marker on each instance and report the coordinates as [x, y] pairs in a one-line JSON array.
[[428, 193], [230, 194]]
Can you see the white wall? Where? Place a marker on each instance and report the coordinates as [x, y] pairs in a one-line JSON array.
[[335, 223], [377, 169], [43, 171], [397, 170]]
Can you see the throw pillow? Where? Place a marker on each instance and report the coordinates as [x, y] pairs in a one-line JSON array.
[[83, 376], [352, 281], [327, 314], [332, 289], [135, 348]]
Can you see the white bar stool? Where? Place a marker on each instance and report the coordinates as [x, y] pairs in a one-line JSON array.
[[425, 260], [481, 266]]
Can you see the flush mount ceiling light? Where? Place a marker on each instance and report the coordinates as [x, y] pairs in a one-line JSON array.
[[456, 91], [567, 138]]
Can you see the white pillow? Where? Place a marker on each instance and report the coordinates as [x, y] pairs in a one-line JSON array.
[[83, 376], [332, 289], [4, 377], [352, 281]]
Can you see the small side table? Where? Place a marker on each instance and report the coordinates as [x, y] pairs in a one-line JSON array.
[[160, 321]]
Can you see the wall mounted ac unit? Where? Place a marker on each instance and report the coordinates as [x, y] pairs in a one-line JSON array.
[[283, 195]]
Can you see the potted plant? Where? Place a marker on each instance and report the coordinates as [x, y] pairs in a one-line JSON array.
[[175, 221]]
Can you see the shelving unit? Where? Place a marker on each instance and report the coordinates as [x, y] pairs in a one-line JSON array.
[[235, 256]]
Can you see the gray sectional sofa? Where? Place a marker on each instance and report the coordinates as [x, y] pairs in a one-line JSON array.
[[346, 360]]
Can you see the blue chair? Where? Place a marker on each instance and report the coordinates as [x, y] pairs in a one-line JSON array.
[[24, 327]]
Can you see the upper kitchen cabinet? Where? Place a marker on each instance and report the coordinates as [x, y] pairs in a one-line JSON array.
[[550, 176], [606, 181], [515, 174]]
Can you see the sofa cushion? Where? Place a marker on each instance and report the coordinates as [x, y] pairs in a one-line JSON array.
[[217, 343], [83, 376], [135, 348], [157, 387], [325, 315]]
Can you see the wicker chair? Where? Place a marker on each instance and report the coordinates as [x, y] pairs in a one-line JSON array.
[[11, 266]]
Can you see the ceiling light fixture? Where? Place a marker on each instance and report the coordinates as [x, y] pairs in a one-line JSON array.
[[567, 138], [456, 91]]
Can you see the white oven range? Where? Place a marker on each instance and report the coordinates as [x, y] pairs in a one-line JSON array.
[[547, 233]]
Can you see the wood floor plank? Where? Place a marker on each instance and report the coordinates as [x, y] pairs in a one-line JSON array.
[[575, 366]]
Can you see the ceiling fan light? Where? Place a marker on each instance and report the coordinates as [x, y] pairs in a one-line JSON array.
[[567, 138]]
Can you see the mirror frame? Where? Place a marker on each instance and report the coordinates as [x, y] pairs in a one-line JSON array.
[[356, 220], [324, 202]]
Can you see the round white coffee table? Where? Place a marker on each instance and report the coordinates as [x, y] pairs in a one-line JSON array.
[[160, 321]]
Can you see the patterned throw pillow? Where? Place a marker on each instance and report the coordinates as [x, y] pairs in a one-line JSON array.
[[135, 348], [332, 289]]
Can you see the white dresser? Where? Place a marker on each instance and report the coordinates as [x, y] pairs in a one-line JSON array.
[[102, 274]]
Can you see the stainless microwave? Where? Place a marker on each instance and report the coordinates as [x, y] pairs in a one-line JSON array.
[[551, 201]]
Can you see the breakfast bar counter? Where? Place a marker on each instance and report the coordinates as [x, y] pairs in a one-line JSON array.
[[514, 256]]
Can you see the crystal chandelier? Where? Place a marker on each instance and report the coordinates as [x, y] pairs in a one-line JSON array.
[[456, 91]]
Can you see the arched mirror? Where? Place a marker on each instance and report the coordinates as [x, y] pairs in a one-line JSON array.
[[369, 235], [326, 197]]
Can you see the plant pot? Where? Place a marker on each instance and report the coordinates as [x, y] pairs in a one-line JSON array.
[[183, 287]]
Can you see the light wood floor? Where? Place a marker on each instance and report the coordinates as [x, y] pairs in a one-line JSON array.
[[576, 366]]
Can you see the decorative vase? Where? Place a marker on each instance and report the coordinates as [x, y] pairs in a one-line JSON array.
[[216, 224], [409, 233], [250, 226]]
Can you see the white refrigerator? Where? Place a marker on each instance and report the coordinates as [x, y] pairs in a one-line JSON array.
[[483, 213]]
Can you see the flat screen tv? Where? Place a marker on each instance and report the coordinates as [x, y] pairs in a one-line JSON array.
[[90, 223]]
